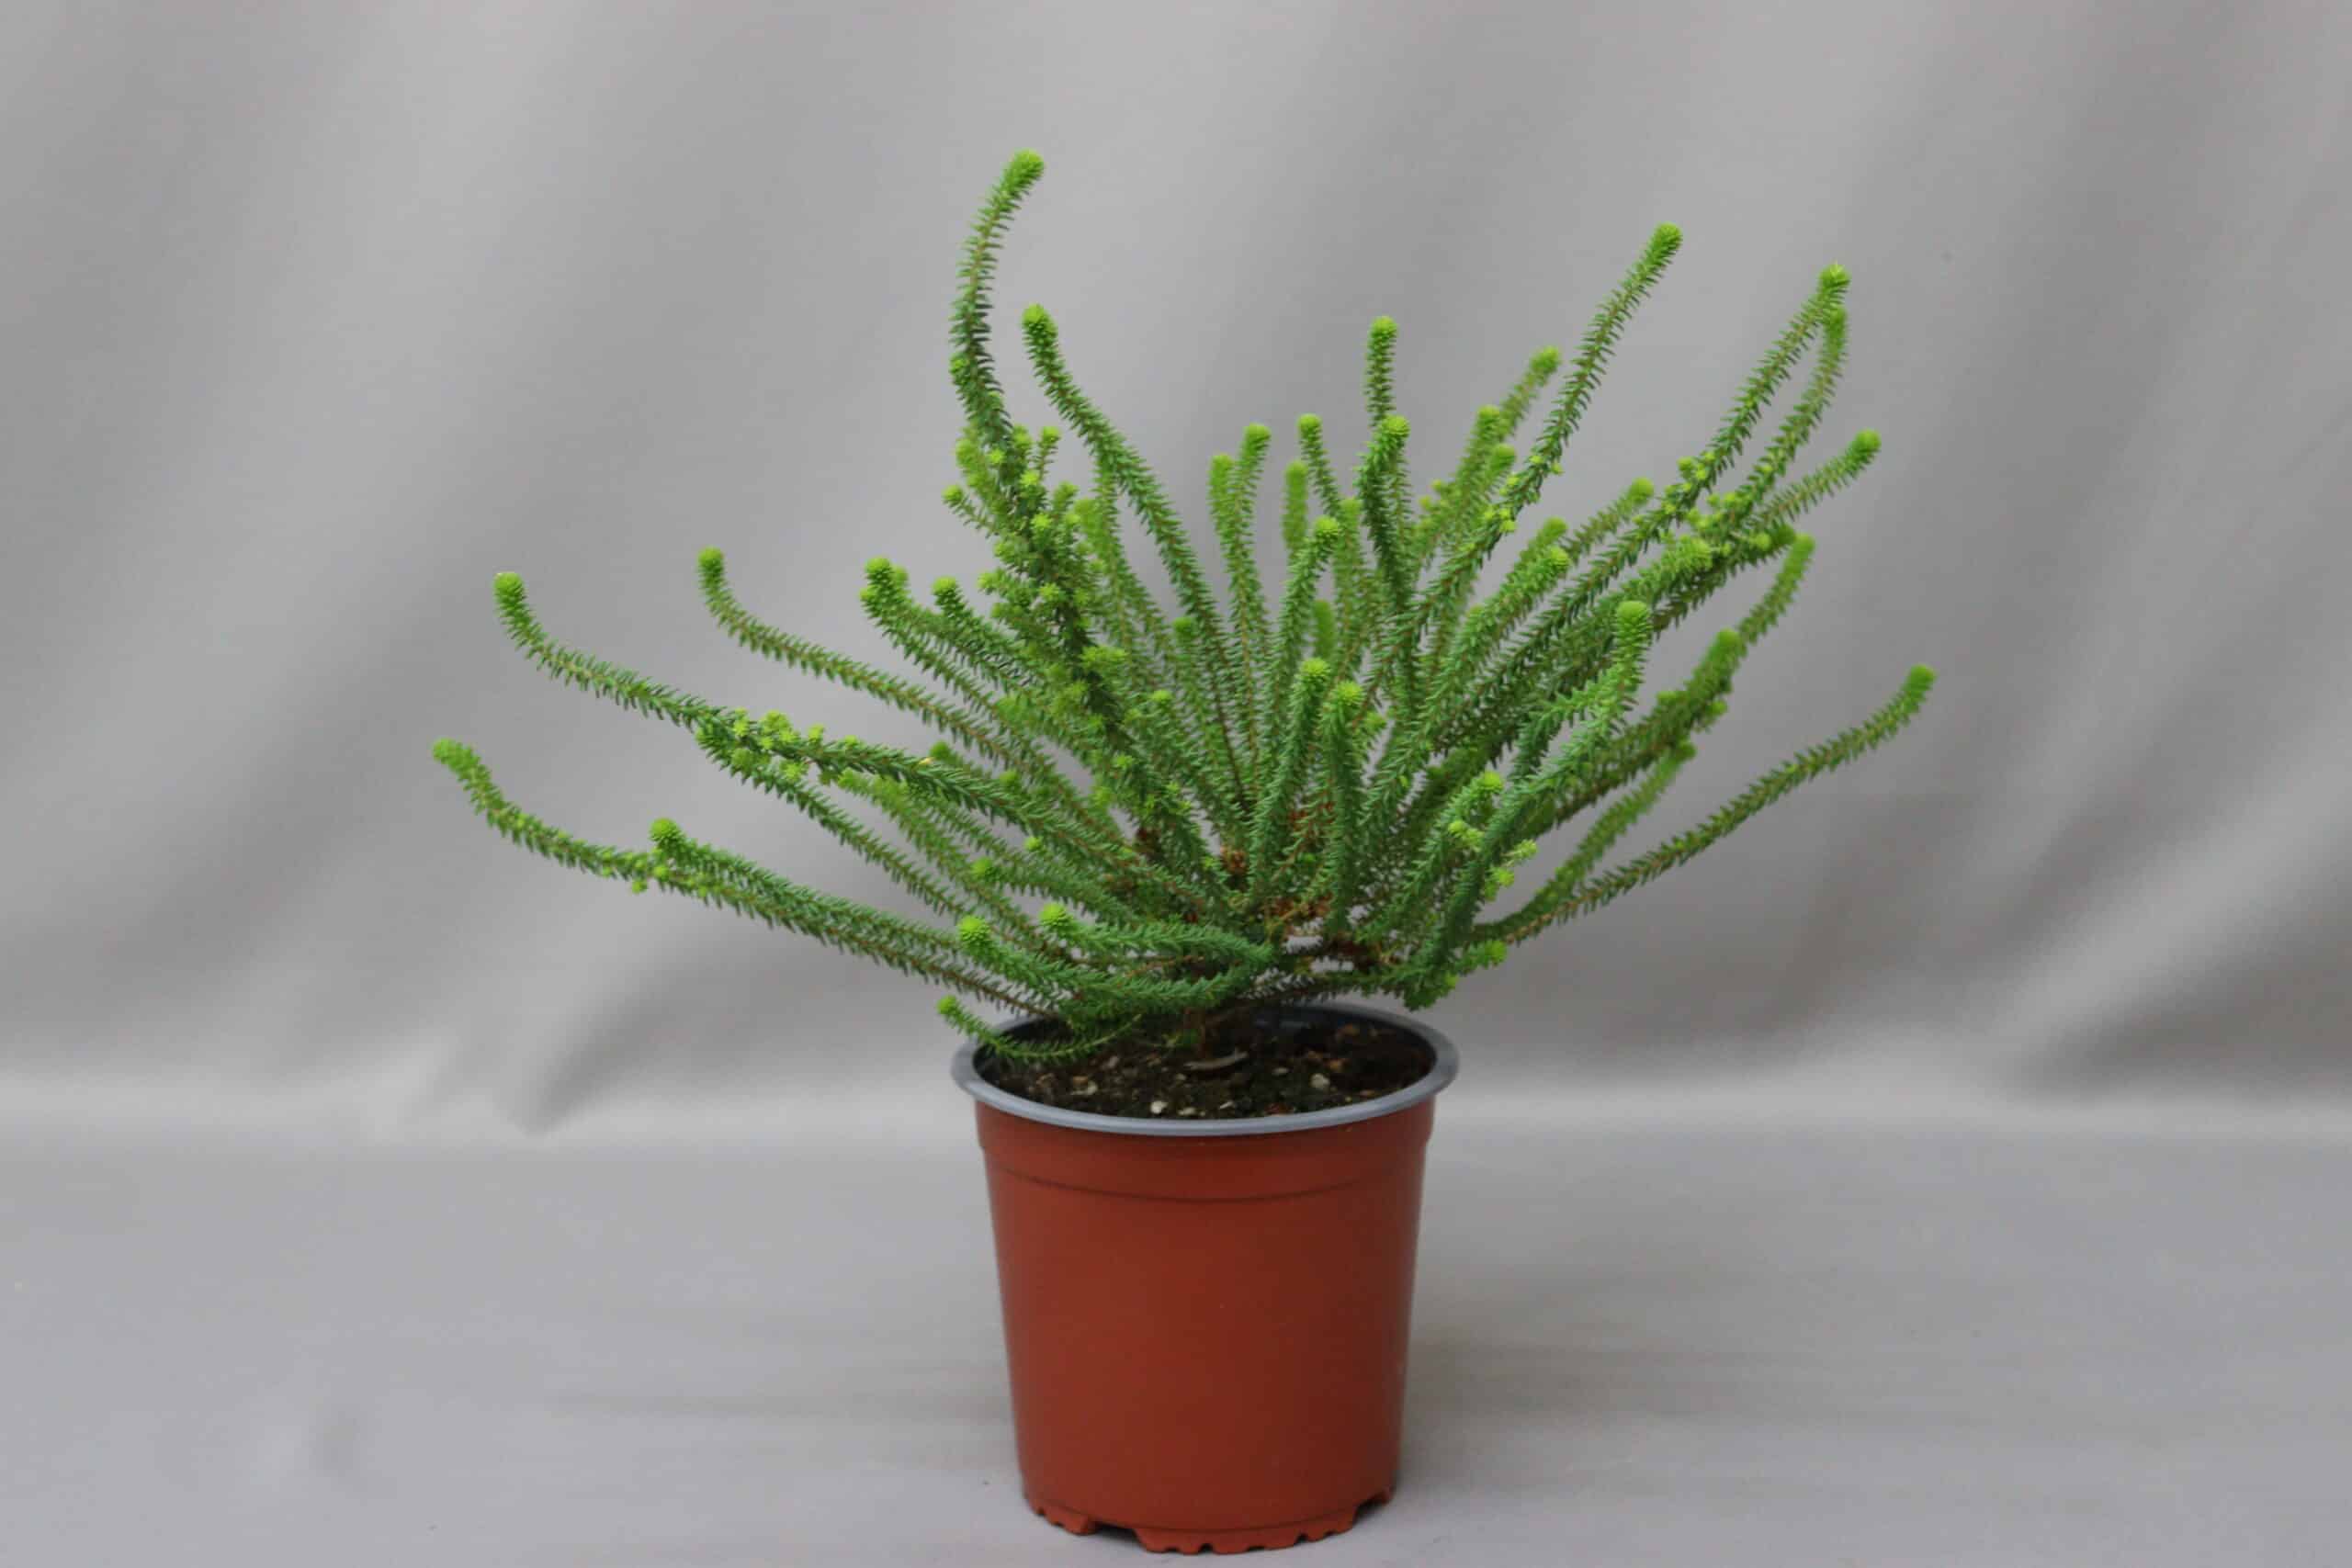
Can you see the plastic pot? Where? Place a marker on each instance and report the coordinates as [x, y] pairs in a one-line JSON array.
[[1206, 1322]]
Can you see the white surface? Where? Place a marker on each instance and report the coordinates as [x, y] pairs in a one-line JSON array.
[[1666, 1338]]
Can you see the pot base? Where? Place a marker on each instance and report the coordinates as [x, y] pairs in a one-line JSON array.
[[1264, 1538]]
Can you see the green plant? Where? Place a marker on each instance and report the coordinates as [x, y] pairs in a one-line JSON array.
[[1315, 793]]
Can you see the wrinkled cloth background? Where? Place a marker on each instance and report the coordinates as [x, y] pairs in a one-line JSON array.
[[1951, 1168]]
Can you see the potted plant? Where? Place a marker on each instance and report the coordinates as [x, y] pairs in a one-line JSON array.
[[1157, 852]]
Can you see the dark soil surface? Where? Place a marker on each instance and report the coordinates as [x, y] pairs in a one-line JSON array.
[[1303, 1063]]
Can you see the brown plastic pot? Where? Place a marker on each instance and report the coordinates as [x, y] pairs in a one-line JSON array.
[[1207, 1321]]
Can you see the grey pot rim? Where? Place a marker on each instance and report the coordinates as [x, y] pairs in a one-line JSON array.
[[1444, 1062]]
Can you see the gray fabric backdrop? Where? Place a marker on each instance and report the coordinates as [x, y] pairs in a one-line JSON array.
[[318, 316]]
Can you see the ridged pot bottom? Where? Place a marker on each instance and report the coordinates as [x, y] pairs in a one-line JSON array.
[[1224, 1542]]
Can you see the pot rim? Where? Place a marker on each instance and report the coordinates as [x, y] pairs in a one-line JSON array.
[[1444, 1062]]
